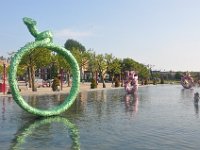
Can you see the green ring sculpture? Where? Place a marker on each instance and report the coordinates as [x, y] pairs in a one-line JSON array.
[[43, 40]]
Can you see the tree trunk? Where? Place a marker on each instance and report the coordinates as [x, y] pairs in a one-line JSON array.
[[33, 78], [102, 77], [112, 78], [104, 84], [81, 74], [68, 78], [29, 77]]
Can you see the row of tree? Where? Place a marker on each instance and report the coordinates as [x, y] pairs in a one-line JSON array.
[[100, 64]]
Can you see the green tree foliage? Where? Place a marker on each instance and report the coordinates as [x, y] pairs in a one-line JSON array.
[[56, 84], [116, 66], [82, 58], [129, 64], [102, 67], [92, 63], [79, 52], [70, 44], [63, 64], [2, 58], [93, 84], [109, 60], [156, 76], [143, 72], [117, 82], [21, 70], [98, 64], [33, 60], [162, 81], [113, 65], [1, 69], [178, 76]]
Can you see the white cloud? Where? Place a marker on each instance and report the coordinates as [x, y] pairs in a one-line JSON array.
[[68, 33]]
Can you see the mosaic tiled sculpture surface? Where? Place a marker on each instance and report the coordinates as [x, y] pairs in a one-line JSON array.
[[43, 40]]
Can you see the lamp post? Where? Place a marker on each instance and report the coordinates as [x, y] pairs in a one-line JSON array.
[[4, 79]]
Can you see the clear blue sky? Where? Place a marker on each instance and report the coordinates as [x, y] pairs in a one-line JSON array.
[[163, 33]]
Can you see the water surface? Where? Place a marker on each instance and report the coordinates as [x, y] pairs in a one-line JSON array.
[[159, 117]]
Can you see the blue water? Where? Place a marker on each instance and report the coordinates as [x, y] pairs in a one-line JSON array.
[[161, 117]]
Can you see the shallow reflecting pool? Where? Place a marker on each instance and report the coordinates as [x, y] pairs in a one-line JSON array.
[[159, 117]]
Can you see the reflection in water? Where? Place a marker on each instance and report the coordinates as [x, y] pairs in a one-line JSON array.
[[82, 102], [32, 100], [3, 108], [29, 129], [5, 101], [196, 107], [163, 112], [45, 101], [131, 102], [187, 93]]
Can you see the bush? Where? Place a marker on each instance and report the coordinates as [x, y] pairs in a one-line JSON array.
[[117, 83], [154, 82], [146, 82], [56, 84], [162, 81], [93, 84]]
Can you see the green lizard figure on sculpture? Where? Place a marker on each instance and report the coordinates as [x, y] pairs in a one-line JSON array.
[[31, 25]]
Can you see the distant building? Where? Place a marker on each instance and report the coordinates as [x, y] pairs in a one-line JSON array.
[[167, 75], [4, 61]]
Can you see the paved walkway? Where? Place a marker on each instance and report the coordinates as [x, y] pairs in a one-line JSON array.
[[48, 90]]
